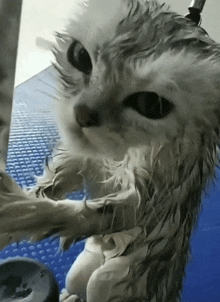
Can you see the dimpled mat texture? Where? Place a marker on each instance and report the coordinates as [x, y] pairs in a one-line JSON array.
[[33, 135]]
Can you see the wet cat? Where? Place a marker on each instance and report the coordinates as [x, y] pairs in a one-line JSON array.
[[139, 118]]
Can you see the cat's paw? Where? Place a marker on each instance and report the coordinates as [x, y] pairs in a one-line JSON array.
[[63, 183], [58, 181], [66, 297]]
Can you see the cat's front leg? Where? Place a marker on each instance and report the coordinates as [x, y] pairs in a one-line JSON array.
[[24, 216], [61, 176]]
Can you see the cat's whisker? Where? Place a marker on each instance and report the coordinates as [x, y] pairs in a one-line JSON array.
[[50, 85], [49, 94]]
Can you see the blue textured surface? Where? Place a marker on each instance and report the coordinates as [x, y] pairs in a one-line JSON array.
[[34, 133]]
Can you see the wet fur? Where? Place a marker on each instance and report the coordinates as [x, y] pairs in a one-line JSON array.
[[145, 178]]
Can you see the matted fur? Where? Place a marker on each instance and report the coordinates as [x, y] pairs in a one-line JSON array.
[[145, 177]]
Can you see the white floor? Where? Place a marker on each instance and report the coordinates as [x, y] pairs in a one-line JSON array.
[[40, 18]]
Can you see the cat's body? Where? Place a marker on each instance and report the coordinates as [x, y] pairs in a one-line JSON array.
[[139, 118]]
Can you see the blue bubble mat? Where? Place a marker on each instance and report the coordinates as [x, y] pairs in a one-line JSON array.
[[33, 135], [32, 138]]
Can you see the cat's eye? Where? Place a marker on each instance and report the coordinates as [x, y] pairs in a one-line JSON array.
[[149, 104], [79, 57]]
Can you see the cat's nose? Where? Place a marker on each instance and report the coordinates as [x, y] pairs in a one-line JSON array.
[[86, 117]]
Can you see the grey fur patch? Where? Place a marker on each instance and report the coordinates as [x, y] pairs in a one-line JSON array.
[[164, 30]]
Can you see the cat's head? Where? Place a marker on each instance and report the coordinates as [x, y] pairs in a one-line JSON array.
[[135, 75]]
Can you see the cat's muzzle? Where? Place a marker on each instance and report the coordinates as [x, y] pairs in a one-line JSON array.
[[86, 117]]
